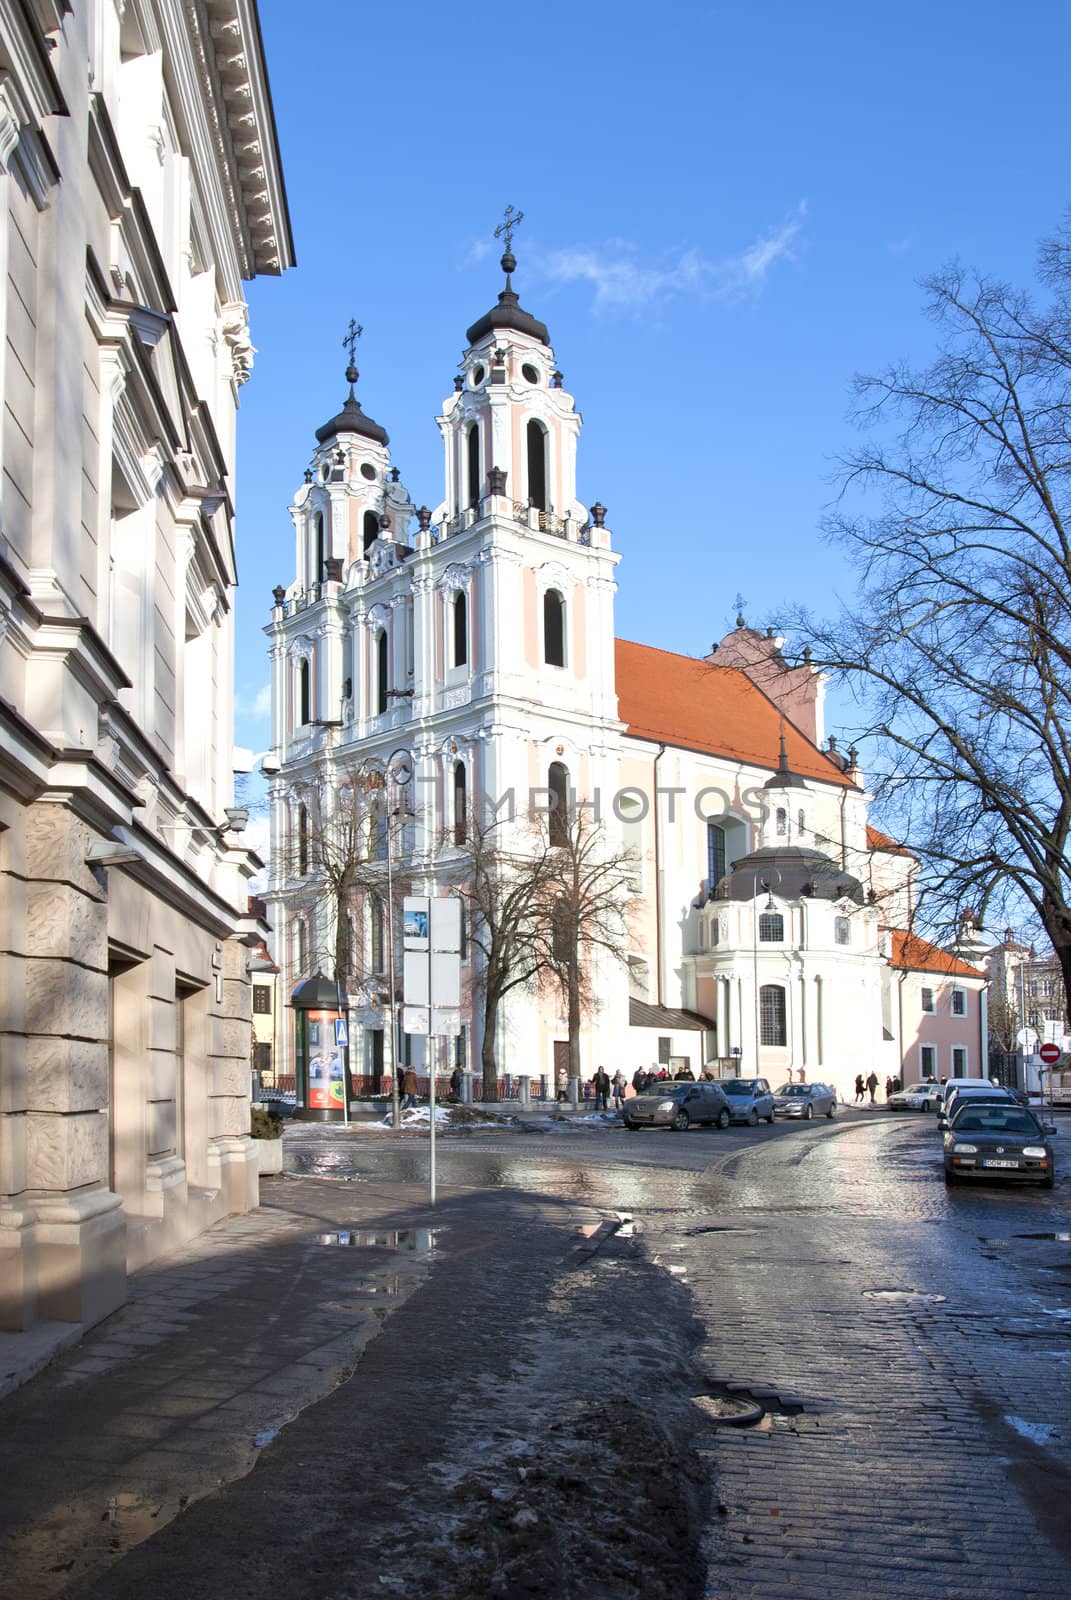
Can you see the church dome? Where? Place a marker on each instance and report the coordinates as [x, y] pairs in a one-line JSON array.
[[791, 872], [351, 419], [509, 313]]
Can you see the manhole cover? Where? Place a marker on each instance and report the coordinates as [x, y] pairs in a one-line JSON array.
[[731, 1410], [902, 1296]]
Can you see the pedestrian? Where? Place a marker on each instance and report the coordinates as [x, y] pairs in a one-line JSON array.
[[601, 1083], [888, 1087], [639, 1080], [589, 1089], [562, 1085], [455, 1084], [409, 1084], [619, 1089], [872, 1084], [858, 1087]]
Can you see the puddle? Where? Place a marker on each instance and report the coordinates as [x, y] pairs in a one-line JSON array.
[[418, 1241], [1036, 1432], [903, 1296], [264, 1438]]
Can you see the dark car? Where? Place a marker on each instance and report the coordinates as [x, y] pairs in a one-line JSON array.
[[749, 1099], [987, 1096], [669, 1104], [993, 1139], [805, 1100]]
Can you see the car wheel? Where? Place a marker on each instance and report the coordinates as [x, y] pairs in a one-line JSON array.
[[770, 1119], [950, 1178], [682, 1122], [1049, 1182], [925, 1106], [723, 1118], [633, 1127], [831, 1113], [753, 1118], [808, 1112]]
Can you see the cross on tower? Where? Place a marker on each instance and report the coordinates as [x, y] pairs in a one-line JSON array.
[[353, 333], [506, 226]]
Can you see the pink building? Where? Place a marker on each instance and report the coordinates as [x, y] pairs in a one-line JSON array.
[[940, 1010]]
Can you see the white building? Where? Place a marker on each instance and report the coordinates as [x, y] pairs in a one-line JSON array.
[[139, 185], [481, 644]]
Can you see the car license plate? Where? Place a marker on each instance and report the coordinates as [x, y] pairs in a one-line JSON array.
[[1000, 1163]]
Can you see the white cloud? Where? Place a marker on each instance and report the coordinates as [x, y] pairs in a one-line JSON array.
[[622, 282], [259, 706]]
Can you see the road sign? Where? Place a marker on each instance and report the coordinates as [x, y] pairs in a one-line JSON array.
[[1050, 1054], [342, 1032]]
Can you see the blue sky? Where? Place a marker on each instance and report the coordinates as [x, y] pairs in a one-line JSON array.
[[727, 209]]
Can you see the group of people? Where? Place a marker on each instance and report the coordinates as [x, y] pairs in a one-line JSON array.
[[892, 1086]]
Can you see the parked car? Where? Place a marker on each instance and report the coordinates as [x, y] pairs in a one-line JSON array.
[[677, 1105], [981, 1093], [749, 1099], [925, 1096], [999, 1140], [805, 1100]]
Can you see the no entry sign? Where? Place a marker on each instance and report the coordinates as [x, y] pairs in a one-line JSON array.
[[1050, 1054]]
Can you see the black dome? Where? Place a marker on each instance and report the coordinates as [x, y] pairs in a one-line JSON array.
[[508, 314], [316, 994], [790, 872], [351, 419]]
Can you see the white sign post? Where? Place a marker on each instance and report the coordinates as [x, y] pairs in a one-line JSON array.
[[431, 945]]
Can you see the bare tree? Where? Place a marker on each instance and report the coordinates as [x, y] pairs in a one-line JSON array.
[[959, 644], [507, 869], [585, 896]]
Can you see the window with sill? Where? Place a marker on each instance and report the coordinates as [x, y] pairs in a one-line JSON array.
[[771, 927], [927, 1002], [772, 1015], [959, 1003]]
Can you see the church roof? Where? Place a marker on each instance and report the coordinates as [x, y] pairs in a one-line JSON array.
[[351, 419], [918, 955], [677, 700], [509, 313], [877, 840]]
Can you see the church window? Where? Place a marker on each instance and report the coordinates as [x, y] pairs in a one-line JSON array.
[[772, 1030], [529, 373], [460, 620], [553, 629], [537, 466], [472, 457], [782, 822], [304, 708], [842, 930], [478, 375], [302, 841], [771, 928], [715, 856], [801, 823], [318, 552], [959, 1002], [558, 785], [375, 933], [460, 803], [368, 471], [382, 683], [371, 530]]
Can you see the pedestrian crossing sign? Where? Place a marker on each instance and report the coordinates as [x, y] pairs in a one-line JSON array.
[[342, 1032]]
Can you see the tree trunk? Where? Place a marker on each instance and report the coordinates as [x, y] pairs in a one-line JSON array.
[[487, 1050], [573, 1018]]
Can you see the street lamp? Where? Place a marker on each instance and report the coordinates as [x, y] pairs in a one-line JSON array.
[[399, 774]]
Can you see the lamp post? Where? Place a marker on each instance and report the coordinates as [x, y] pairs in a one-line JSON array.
[[400, 775]]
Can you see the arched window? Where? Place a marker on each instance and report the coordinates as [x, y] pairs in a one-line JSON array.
[[558, 785], [375, 933], [715, 857], [304, 698], [461, 630], [782, 822], [302, 841], [553, 629], [318, 551], [382, 676], [772, 1030], [460, 803], [537, 466], [472, 458], [371, 530], [301, 947], [771, 928]]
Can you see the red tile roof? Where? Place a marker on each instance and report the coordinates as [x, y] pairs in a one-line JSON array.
[[918, 955], [677, 700], [881, 841]]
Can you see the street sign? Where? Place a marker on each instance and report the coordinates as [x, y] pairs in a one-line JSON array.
[[1050, 1054], [342, 1032]]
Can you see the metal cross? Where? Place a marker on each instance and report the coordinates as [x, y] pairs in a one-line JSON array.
[[353, 333], [507, 225]]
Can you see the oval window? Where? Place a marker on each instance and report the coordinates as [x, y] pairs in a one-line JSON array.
[[325, 472], [529, 373], [477, 374], [368, 471]]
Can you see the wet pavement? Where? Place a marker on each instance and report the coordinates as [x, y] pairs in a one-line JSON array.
[[802, 1358]]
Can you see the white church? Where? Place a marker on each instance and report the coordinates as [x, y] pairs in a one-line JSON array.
[[475, 642]]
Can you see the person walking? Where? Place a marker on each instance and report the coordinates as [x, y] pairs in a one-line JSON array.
[[619, 1089], [562, 1082], [409, 1084], [859, 1087], [601, 1082], [455, 1084], [872, 1085]]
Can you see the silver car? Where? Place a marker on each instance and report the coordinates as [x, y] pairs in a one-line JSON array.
[[749, 1099], [672, 1104], [806, 1100], [925, 1096]]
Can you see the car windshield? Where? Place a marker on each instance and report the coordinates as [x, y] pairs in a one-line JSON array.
[[660, 1090], [794, 1091], [738, 1086], [997, 1119]]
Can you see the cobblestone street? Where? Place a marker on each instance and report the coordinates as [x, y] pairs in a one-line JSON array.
[[524, 1401]]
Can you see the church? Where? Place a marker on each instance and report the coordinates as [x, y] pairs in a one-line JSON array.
[[473, 645]]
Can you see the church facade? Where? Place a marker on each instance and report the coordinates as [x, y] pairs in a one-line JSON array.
[[474, 644]]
